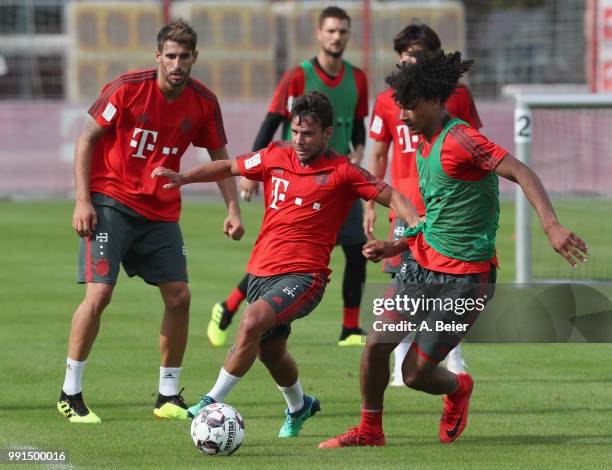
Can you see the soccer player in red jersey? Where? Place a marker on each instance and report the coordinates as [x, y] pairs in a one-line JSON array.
[[141, 120], [308, 191], [387, 130], [454, 249], [346, 87]]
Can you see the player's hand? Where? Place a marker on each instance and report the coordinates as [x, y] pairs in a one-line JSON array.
[[567, 244], [176, 179], [248, 188], [84, 219], [375, 250], [232, 227], [369, 220]]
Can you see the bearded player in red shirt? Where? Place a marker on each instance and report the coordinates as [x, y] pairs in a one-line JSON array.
[[387, 129], [308, 192], [454, 248], [142, 120], [346, 87]]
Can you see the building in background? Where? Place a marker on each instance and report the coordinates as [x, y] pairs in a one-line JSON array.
[[59, 53], [66, 49]]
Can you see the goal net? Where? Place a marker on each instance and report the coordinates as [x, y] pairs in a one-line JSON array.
[[567, 140]]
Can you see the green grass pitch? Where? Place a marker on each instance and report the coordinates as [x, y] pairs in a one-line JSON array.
[[544, 406]]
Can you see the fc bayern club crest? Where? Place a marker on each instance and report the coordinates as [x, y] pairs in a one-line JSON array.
[[321, 179], [102, 267]]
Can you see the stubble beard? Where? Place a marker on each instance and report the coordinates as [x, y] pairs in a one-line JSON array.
[[334, 54]]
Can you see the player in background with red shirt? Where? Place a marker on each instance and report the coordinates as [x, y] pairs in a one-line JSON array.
[[454, 248], [308, 192], [346, 87], [386, 129], [142, 119]]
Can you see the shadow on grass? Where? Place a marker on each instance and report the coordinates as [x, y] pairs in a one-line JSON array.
[[403, 439], [565, 439], [551, 380], [476, 411]]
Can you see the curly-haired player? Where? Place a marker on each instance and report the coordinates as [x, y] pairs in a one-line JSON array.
[[454, 250]]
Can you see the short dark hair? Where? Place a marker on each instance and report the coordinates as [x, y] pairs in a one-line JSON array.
[[178, 31], [431, 75], [416, 34], [314, 106], [334, 12]]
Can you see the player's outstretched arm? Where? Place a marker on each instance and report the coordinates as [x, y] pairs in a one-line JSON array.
[[209, 172], [378, 167], [404, 209], [84, 219], [375, 250], [206, 173], [564, 241]]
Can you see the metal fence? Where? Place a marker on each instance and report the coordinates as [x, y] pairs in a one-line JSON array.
[[63, 49]]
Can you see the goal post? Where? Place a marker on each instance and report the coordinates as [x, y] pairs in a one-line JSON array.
[[577, 165]]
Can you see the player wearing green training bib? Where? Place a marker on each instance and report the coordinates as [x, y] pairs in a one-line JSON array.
[[346, 88], [453, 249], [342, 93]]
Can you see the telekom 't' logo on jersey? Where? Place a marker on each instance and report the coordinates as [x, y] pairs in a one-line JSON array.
[[143, 139], [278, 192], [406, 139]]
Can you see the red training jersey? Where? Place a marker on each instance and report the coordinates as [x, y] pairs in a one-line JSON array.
[[304, 207], [466, 155], [294, 81], [146, 130], [386, 126]]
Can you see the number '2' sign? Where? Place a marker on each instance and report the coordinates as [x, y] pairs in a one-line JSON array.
[[522, 125]]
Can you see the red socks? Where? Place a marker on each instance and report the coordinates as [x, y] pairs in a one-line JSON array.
[[371, 423], [351, 317], [234, 300]]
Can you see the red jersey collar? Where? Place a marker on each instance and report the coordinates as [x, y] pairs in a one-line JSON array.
[[330, 82], [325, 162]]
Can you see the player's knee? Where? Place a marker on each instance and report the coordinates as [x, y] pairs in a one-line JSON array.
[[250, 328], [179, 302], [98, 297], [415, 378], [376, 349], [256, 320]]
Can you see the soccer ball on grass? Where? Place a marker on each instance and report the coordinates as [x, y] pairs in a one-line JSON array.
[[217, 430]]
